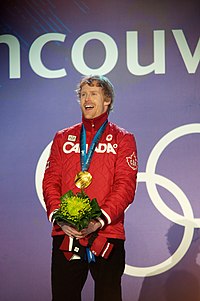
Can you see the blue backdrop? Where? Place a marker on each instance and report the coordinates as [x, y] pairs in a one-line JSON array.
[[150, 50]]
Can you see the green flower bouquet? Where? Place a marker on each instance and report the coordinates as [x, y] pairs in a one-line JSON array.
[[77, 209]]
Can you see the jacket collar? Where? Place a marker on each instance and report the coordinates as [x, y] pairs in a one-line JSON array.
[[94, 123]]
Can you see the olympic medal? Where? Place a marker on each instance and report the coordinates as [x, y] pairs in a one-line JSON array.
[[83, 179]]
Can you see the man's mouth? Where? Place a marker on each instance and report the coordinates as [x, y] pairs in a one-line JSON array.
[[88, 106]]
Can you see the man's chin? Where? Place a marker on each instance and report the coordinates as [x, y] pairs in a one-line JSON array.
[[89, 115]]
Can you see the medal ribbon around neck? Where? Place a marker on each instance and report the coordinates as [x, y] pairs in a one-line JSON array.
[[84, 178]]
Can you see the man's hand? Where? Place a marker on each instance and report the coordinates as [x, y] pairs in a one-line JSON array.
[[69, 230], [92, 227]]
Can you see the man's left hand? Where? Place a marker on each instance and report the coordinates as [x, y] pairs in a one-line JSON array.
[[92, 227]]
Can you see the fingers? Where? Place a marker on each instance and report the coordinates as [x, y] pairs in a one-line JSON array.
[[92, 227], [70, 231], [73, 233]]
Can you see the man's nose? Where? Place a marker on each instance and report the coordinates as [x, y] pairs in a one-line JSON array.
[[87, 98]]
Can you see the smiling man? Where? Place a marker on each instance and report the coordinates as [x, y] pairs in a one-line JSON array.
[[100, 158], [94, 99]]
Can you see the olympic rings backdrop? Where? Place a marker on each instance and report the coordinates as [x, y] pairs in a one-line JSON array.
[[150, 50]]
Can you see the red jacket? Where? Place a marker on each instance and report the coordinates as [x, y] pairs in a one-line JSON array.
[[113, 168]]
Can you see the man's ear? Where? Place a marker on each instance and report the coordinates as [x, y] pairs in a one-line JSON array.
[[107, 101]]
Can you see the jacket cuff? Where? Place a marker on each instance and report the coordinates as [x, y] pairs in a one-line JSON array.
[[106, 217], [51, 215], [102, 222]]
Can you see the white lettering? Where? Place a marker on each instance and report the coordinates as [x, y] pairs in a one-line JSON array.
[[75, 148], [110, 149], [14, 54], [191, 62], [68, 150], [35, 56], [69, 147], [158, 66], [111, 53], [101, 148]]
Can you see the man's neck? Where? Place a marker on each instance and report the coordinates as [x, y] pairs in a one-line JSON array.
[[94, 123]]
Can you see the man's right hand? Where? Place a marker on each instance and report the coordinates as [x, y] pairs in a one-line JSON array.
[[69, 230]]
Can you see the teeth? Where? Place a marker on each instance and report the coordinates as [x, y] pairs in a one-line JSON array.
[[89, 106]]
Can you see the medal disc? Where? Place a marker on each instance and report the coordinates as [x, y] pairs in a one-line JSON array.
[[83, 179]]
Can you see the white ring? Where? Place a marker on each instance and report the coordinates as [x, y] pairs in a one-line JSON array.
[[187, 220], [151, 168], [186, 240], [39, 173]]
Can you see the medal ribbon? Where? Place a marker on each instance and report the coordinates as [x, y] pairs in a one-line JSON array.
[[85, 162], [87, 156]]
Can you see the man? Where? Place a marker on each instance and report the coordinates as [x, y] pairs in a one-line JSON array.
[[108, 156]]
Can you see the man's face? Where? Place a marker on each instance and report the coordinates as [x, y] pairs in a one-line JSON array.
[[93, 101]]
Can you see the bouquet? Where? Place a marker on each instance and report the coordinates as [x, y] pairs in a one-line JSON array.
[[77, 209]]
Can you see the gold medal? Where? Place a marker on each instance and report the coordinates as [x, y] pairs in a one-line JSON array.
[[83, 179]]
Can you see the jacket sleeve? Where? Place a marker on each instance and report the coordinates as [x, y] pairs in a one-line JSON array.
[[52, 178], [123, 190]]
